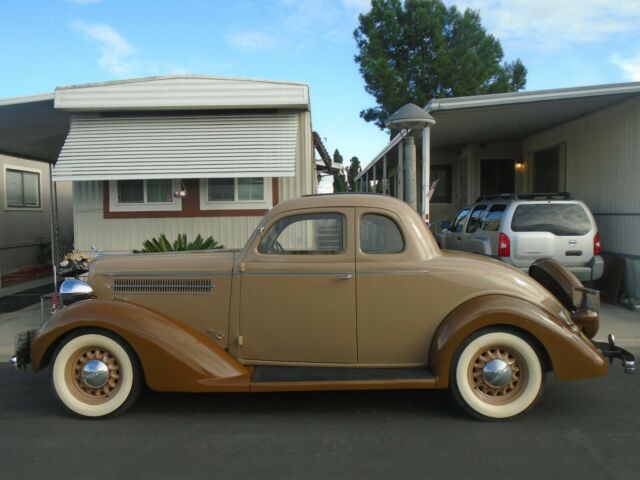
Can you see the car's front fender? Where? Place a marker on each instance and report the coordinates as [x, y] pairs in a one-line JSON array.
[[571, 354], [174, 356]]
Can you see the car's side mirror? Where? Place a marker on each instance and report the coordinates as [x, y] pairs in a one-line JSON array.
[[445, 225]]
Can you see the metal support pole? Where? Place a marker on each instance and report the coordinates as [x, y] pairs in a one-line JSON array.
[[54, 227], [426, 167], [401, 171], [375, 178], [385, 182], [410, 179]]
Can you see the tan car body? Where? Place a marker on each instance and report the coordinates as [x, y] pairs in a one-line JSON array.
[[410, 309]]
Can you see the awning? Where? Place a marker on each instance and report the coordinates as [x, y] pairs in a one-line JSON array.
[[119, 147]]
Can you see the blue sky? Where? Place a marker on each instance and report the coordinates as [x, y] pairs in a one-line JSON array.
[[61, 42]]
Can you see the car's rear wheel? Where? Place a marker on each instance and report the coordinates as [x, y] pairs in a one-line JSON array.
[[96, 374], [497, 374]]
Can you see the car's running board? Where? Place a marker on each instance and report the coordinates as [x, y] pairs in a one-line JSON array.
[[273, 378]]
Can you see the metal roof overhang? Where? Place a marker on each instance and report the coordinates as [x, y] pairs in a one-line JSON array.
[[502, 117], [513, 116], [31, 128]]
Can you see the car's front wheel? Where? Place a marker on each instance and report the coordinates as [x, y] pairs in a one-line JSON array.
[[497, 374], [96, 374]]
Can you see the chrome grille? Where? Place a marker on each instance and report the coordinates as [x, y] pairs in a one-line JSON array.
[[153, 285]]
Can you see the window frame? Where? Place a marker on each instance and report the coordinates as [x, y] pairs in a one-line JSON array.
[[499, 207], [305, 254], [264, 204], [402, 236], [20, 169], [482, 209], [459, 219], [116, 206]]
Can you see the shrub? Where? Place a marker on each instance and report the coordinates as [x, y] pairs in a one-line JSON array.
[[161, 244]]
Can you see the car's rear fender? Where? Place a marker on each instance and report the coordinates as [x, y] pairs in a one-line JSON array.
[[571, 355], [174, 356]]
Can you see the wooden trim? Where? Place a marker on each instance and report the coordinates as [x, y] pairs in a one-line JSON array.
[[275, 192], [190, 205]]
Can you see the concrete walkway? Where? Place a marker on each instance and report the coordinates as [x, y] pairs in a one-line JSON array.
[[623, 323]]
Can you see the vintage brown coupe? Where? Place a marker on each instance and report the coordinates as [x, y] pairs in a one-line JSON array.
[[333, 292]]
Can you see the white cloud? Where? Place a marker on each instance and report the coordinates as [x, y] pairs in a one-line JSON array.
[[116, 53], [84, 2], [554, 24], [630, 66], [252, 40]]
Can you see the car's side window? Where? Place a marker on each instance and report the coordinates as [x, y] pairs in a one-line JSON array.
[[474, 219], [458, 223], [491, 222], [306, 234], [380, 234]]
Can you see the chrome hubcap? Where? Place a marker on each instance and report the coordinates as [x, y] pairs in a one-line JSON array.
[[497, 373], [95, 374]]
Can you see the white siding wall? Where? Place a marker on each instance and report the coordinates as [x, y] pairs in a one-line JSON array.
[[603, 170], [22, 230], [122, 235]]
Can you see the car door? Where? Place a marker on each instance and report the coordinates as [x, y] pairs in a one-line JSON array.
[[297, 298], [395, 321]]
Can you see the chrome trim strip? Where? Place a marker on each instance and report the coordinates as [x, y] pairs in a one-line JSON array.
[[385, 272], [164, 274], [296, 274]]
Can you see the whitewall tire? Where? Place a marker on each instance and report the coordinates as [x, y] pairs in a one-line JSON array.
[[497, 374], [96, 374]]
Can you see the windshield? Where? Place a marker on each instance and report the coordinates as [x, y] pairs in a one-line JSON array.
[[557, 218]]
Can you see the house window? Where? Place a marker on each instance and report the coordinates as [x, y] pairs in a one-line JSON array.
[[442, 173], [143, 195], [235, 193], [235, 189], [22, 188]]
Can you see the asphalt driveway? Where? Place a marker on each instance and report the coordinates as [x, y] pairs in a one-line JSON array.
[[586, 430]]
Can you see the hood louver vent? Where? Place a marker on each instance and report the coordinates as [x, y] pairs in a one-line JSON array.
[[163, 286]]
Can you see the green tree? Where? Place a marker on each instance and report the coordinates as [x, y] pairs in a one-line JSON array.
[[339, 183], [353, 170], [337, 157], [416, 50]]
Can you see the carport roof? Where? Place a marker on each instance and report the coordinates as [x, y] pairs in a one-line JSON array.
[[31, 128], [500, 117], [512, 116], [36, 126]]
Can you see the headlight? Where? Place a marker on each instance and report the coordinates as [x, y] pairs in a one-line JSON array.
[[73, 290]]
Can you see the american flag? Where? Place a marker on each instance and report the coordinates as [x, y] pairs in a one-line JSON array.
[[432, 189]]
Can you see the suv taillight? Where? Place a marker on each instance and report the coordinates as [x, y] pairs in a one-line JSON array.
[[504, 245], [597, 248]]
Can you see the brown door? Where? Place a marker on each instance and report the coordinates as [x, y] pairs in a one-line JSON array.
[[298, 290]]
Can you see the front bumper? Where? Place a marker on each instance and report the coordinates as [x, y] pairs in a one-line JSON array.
[[22, 356], [610, 350]]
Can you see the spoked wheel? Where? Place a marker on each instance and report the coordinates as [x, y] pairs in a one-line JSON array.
[[497, 374], [96, 374]]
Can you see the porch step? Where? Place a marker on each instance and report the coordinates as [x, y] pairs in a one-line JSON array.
[[270, 373]]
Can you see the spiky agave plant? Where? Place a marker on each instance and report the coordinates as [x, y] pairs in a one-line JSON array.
[[161, 244]]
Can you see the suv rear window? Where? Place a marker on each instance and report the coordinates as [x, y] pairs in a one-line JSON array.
[[557, 218]]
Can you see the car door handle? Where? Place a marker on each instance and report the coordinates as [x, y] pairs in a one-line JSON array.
[[459, 238], [344, 276]]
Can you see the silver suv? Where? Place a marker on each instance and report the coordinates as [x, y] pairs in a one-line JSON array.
[[519, 229]]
